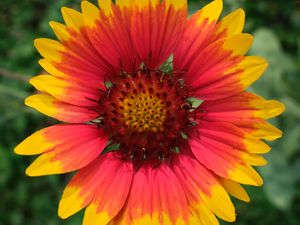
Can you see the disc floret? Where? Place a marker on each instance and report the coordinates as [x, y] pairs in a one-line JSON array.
[[146, 113]]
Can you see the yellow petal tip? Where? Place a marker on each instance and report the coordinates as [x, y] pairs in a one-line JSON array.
[[90, 13], [17, 150]]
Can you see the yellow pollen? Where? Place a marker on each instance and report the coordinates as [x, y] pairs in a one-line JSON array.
[[144, 112]]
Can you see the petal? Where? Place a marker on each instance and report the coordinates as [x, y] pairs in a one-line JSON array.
[[224, 161], [156, 29], [132, 3], [233, 23], [224, 149], [67, 91], [203, 190], [81, 62], [60, 31], [156, 197], [253, 159], [238, 44], [218, 70], [78, 60], [211, 12], [197, 35], [65, 148], [49, 49], [107, 178], [110, 36], [177, 4], [90, 13], [265, 130], [48, 138], [106, 6], [231, 135], [245, 174], [201, 214], [50, 68], [249, 70], [235, 189], [72, 18], [52, 107], [246, 111], [211, 55]]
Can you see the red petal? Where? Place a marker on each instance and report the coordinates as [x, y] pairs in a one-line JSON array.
[[103, 185]]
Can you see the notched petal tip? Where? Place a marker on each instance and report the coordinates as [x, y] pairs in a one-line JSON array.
[[60, 31], [240, 12], [211, 11], [72, 18], [261, 61], [268, 108], [106, 6], [90, 13], [233, 23], [280, 107], [253, 67]]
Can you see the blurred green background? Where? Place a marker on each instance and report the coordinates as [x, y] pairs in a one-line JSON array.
[[23, 200]]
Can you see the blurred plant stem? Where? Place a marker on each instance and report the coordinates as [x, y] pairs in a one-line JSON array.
[[6, 90], [13, 75]]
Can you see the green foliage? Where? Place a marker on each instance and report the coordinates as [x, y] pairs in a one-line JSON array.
[[276, 27], [281, 175]]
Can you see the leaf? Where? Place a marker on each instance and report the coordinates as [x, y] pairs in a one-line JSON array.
[[291, 144], [111, 148], [267, 45], [195, 102], [280, 182]]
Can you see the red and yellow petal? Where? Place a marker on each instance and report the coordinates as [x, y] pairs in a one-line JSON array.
[[110, 35], [67, 91], [62, 111], [206, 196], [72, 18], [103, 186], [189, 188], [197, 35], [229, 152], [220, 70], [64, 148], [74, 57], [156, 29], [211, 54], [247, 111], [155, 198]]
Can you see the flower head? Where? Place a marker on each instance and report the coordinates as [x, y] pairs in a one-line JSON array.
[[124, 79]]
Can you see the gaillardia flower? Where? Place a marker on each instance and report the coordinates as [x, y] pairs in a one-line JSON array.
[[124, 79]]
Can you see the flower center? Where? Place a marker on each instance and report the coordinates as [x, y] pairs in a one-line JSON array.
[[144, 112], [147, 113]]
